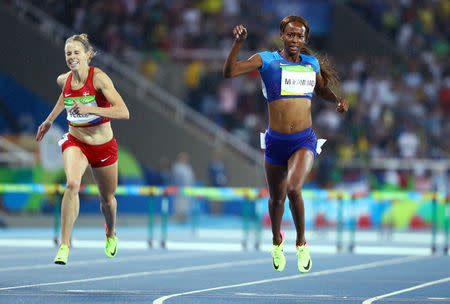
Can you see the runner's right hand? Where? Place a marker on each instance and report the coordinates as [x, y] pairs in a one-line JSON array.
[[239, 33], [43, 129]]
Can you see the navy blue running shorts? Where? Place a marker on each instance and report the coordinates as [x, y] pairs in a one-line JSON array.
[[281, 146]]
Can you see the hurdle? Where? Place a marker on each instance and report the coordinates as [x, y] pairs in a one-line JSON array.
[[252, 213]]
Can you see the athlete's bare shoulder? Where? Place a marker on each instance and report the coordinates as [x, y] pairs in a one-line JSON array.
[[98, 73], [100, 79], [61, 80]]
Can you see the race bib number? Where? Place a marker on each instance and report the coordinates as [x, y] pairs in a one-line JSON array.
[[297, 80], [80, 119]]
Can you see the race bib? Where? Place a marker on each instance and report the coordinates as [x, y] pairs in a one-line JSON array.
[[297, 80], [78, 119]]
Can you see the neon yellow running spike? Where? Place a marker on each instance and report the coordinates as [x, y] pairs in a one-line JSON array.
[[278, 259], [304, 259], [63, 255], [111, 246]]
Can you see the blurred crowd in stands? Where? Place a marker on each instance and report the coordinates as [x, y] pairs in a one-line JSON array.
[[398, 108]]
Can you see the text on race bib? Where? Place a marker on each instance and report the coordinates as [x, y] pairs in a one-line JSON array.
[[297, 80], [77, 119]]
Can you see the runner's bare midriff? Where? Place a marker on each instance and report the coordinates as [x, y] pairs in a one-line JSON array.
[[95, 135], [290, 115]]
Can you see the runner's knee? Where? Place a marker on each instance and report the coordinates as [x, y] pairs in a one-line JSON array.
[[73, 186], [294, 192], [107, 200], [276, 202]]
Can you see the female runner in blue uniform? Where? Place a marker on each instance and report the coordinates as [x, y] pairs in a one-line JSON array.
[[289, 77]]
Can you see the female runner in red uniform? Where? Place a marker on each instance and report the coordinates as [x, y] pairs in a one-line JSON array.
[[91, 100]]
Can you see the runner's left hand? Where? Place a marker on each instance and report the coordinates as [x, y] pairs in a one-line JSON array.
[[342, 105], [79, 108]]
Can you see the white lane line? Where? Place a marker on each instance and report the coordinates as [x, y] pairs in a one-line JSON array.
[[216, 246], [361, 250], [103, 291], [313, 274], [326, 249], [146, 273], [392, 250], [371, 300], [101, 244], [44, 243], [229, 247], [273, 295], [35, 243], [15, 256], [50, 264]]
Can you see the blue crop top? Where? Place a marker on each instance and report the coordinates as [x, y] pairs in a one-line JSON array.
[[282, 78]]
